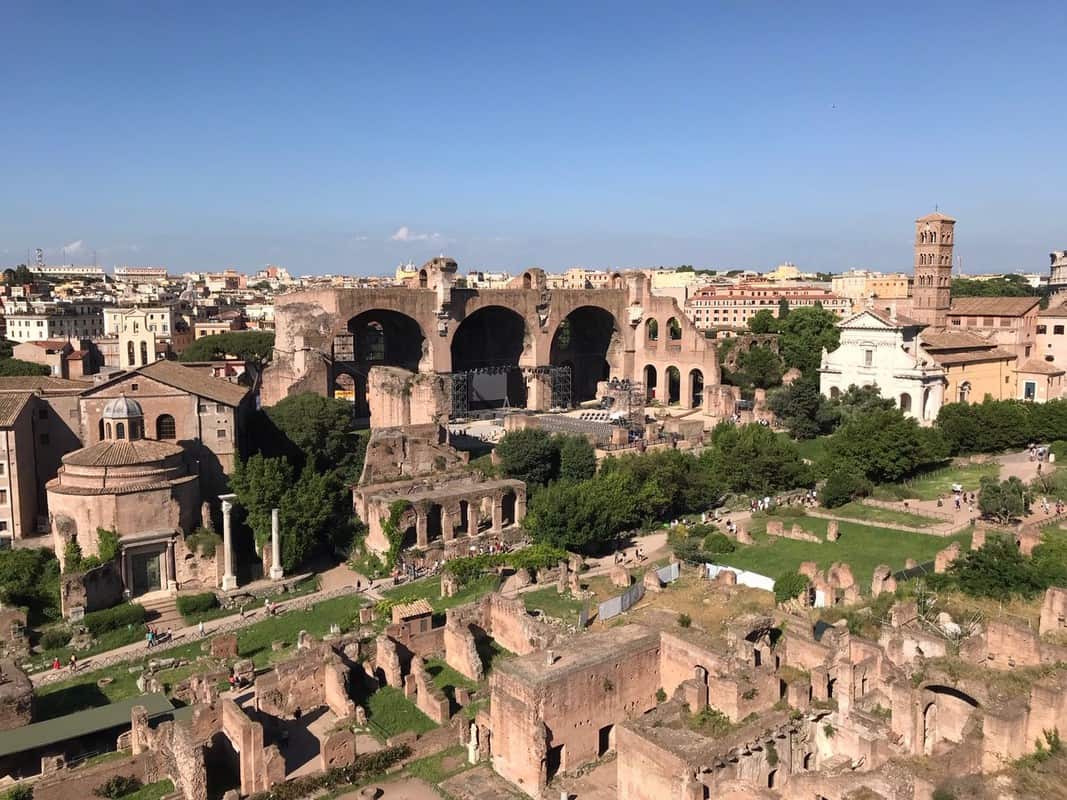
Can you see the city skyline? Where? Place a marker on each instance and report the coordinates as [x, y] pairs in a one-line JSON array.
[[332, 140]]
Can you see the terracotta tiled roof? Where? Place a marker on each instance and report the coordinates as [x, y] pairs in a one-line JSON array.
[[124, 453], [416, 608], [1039, 368], [993, 306], [972, 356], [936, 216], [11, 405], [947, 339], [195, 382], [39, 383]]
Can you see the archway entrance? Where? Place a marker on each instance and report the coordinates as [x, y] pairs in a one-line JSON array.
[[507, 509], [674, 386], [650, 383], [583, 341], [379, 337], [696, 388], [488, 344]]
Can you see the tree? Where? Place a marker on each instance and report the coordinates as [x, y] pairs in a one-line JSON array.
[[255, 347], [996, 570], [790, 585], [583, 516], [30, 577], [1049, 559], [761, 366], [1006, 286], [11, 367], [754, 459], [783, 309], [842, 485], [883, 446], [667, 483], [320, 430], [859, 400], [804, 333], [260, 483], [1003, 500], [803, 410], [577, 458], [530, 455], [763, 321]]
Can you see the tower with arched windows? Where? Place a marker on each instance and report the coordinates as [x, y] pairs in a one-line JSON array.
[[932, 290]]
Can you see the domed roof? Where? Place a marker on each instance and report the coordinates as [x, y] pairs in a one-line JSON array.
[[122, 408]]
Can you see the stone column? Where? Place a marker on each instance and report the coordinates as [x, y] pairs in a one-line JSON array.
[[275, 547], [498, 514], [421, 536], [172, 578], [520, 506], [448, 532], [474, 510], [229, 580]]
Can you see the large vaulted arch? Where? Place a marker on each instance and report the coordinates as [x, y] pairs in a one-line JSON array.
[[380, 337], [583, 342], [488, 345]]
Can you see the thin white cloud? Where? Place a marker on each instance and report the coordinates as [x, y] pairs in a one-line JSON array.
[[74, 248], [405, 234]]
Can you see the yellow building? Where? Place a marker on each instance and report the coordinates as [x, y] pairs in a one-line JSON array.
[[784, 272], [974, 367]]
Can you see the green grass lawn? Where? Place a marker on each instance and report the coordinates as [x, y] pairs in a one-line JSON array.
[[884, 516], [554, 604], [106, 641], [299, 590], [811, 449], [430, 590], [391, 713], [447, 679], [440, 766], [863, 547], [151, 791], [938, 482], [253, 642]]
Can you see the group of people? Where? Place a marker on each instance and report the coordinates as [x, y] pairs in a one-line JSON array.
[[410, 570], [73, 663]]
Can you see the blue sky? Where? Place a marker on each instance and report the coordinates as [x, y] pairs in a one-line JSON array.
[[348, 137]]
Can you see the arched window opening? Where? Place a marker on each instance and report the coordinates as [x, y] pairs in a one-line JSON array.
[[905, 402], [144, 354], [696, 388], [652, 330], [674, 329], [650, 383], [120, 430], [674, 386], [423, 279], [130, 355], [165, 428]]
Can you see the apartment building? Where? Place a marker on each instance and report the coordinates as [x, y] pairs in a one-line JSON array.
[[733, 306]]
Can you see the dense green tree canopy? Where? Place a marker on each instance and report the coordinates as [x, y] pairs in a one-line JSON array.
[[760, 367], [255, 347], [804, 334], [29, 577], [1003, 500], [530, 455], [577, 458], [309, 428], [803, 410], [884, 446], [1007, 286], [996, 570], [10, 367], [763, 321], [754, 459]]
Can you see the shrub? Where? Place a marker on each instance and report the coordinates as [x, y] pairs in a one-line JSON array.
[[718, 543], [843, 484], [661, 696], [203, 541], [54, 638], [941, 793], [684, 620], [107, 544], [72, 556], [789, 585], [117, 786], [22, 791], [114, 618], [365, 766], [191, 604]]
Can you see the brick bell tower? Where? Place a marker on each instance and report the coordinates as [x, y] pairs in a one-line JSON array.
[[932, 291]]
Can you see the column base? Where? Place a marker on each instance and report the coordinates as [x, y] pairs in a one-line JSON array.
[[276, 573], [229, 582]]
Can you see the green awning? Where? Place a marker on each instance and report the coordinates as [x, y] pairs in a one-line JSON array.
[[80, 723]]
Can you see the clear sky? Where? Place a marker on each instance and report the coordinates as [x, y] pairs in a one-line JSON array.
[[348, 137]]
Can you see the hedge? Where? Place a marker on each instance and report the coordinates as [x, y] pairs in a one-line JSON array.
[[110, 619], [54, 638], [190, 604], [366, 765]]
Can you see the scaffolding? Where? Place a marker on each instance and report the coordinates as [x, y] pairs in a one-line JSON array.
[[560, 378], [556, 379]]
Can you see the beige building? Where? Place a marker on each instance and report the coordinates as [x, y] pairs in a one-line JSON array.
[[18, 466], [80, 320], [860, 285], [203, 414], [734, 306]]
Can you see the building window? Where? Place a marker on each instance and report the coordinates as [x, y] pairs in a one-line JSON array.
[[165, 428], [133, 387], [868, 358], [3, 468], [1057, 330], [120, 430], [220, 433], [3, 525], [1029, 390], [3, 497], [1041, 329]]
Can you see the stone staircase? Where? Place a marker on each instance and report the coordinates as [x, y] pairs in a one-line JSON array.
[[162, 611]]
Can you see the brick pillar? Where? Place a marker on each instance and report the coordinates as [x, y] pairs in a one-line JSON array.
[[447, 525], [520, 506]]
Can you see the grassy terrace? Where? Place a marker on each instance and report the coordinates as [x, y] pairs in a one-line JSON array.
[[253, 642], [863, 547], [390, 713], [430, 590], [938, 482], [884, 516]]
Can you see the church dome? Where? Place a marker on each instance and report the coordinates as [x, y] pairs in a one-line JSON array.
[[122, 408]]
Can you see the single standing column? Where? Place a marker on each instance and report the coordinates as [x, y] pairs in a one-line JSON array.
[[172, 577], [474, 510], [229, 580], [498, 514], [421, 528], [275, 547]]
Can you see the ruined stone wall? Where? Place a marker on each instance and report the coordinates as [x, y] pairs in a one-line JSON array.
[[507, 621], [1054, 611], [518, 743], [311, 679], [647, 771], [401, 397], [461, 649], [76, 784], [678, 659], [92, 590], [194, 570], [430, 700], [16, 697]]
